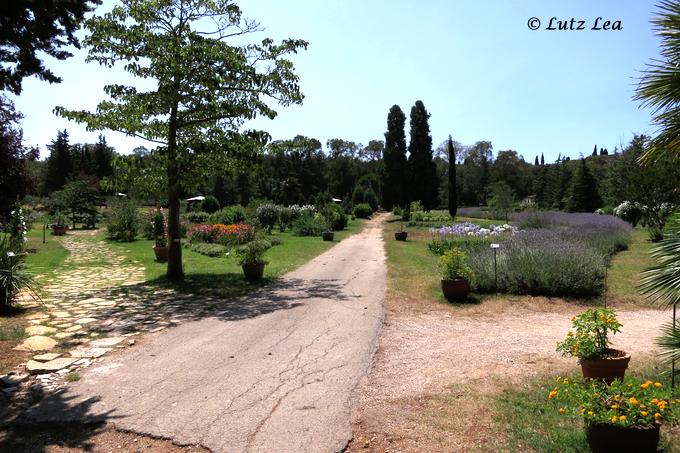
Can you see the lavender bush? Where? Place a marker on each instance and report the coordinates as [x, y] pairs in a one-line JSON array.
[[552, 254]]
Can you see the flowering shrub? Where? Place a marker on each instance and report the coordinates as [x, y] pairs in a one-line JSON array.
[[590, 340], [268, 215], [630, 212], [228, 235], [297, 211], [468, 236], [17, 230], [626, 403]]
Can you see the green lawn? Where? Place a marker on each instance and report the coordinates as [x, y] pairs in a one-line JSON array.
[[624, 272], [47, 256], [222, 274]]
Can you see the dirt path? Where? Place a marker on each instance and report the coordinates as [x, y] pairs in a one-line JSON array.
[[274, 371], [446, 364]]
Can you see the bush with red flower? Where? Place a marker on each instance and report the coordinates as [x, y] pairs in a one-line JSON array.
[[228, 235]]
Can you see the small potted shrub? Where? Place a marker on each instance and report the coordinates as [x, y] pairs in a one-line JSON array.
[[251, 259], [589, 342], [160, 229], [624, 416], [59, 226], [456, 274], [401, 235], [328, 235]]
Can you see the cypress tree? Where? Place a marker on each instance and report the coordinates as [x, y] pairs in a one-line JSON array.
[[583, 196], [542, 159], [453, 196], [423, 171], [394, 159], [59, 163], [103, 156], [536, 161], [595, 151]]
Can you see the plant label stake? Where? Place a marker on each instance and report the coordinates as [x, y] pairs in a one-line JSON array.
[[495, 247]]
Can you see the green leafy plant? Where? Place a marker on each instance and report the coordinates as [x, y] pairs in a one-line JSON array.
[[253, 252], [310, 225], [590, 338], [160, 228], [14, 277], [363, 210], [453, 265], [335, 216], [628, 403], [123, 221], [212, 250], [228, 216], [267, 215], [210, 204]]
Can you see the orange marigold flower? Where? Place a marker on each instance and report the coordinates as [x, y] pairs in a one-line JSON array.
[[658, 385], [552, 394], [644, 413]]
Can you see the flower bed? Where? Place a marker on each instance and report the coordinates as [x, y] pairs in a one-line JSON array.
[[227, 235]]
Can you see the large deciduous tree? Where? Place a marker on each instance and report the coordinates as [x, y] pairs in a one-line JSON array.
[[423, 171], [394, 159], [31, 28], [13, 158], [453, 198], [206, 87]]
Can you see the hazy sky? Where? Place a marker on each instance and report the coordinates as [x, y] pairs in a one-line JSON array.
[[479, 69]]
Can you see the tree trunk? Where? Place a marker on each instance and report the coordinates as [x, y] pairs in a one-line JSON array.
[[175, 272]]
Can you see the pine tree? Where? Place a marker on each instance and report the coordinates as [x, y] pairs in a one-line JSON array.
[[59, 163], [453, 196], [103, 156], [542, 159], [536, 161], [423, 171], [394, 160], [583, 196], [595, 151]]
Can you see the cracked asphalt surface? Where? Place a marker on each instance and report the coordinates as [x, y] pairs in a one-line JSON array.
[[280, 379]]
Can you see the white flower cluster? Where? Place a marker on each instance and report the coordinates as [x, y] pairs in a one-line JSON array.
[[19, 224], [299, 211]]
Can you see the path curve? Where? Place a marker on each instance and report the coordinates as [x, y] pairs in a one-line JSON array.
[[279, 381]]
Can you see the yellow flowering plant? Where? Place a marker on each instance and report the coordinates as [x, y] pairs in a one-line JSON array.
[[627, 403], [589, 338]]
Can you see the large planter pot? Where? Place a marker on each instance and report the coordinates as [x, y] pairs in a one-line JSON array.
[[328, 236], [161, 253], [606, 438], [608, 369], [400, 235], [253, 272], [59, 230], [457, 289]]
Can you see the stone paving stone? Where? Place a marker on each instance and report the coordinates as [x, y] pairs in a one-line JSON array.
[[37, 343], [35, 367], [46, 357]]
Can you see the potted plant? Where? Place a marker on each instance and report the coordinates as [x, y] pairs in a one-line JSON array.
[[251, 259], [401, 234], [160, 228], [59, 226], [589, 342], [328, 235], [456, 274], [624, 416]]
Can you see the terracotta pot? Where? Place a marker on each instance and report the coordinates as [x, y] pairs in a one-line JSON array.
[[59, 230], [328, 236], [161, 253], [253, 272], [607, 369], [400, 235], [457, 289], [606, 438]]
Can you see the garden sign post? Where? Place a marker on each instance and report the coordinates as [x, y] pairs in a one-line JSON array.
[[495, 265]]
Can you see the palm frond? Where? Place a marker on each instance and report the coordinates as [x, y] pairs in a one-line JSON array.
[[661, 283]]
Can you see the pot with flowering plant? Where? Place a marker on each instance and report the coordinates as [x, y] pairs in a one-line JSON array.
[[589, 342], [401, 235], [59, 226], [160, 228], [456, 274], [623, 416]]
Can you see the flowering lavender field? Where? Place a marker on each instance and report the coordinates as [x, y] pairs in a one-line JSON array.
[[547, 253]]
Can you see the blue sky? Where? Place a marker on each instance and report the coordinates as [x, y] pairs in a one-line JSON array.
[[481, 72]]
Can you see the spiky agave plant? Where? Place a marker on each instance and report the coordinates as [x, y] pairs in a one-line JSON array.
[[661, 283]]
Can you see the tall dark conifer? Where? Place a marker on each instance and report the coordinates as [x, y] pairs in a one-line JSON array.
[[423, 171], [59, 163], [394, 159], [542, 159], [453, 196], [536, 161], [583, 196]]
